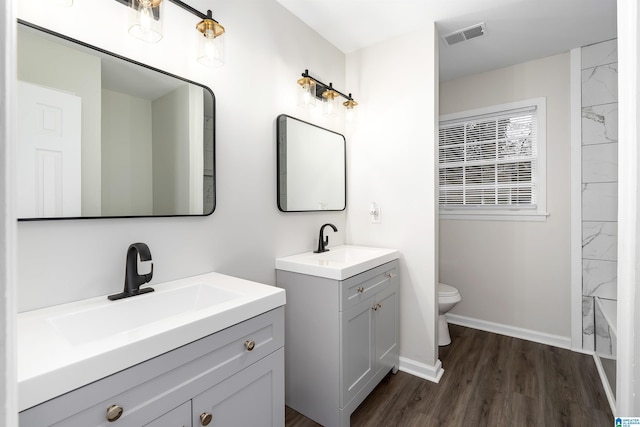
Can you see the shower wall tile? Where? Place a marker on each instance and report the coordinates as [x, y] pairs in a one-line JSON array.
[[588, 325], [604, 343], [600, 202], [600, 124], [600, 85], [600, 240], [600, 163], [599, 190], [599, 278], [600, 54]]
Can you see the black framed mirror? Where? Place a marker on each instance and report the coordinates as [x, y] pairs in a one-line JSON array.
[[103, 136], [311, 167]]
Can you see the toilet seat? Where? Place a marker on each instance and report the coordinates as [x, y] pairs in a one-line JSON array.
[[446, 290]]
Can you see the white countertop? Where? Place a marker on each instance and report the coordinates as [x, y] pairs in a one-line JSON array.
[[339, 263], [51, 361]]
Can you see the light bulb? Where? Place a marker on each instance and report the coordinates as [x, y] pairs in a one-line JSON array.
[[146, 16]]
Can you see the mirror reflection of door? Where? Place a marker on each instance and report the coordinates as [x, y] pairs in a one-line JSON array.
[[49, 153]]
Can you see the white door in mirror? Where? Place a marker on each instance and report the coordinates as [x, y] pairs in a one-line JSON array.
[[49, 173]]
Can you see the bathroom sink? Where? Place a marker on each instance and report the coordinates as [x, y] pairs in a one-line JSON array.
[[125, 316], [64, 347], [339, 263]]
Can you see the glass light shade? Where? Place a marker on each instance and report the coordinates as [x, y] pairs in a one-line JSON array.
[[147, 20], [307, 92], [211, 44], [211, 52], [331, 101], [350, 109]]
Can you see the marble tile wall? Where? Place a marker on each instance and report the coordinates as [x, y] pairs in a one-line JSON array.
[[599, 187]]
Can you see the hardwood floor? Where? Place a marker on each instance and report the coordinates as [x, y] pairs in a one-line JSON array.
[[490, 380]]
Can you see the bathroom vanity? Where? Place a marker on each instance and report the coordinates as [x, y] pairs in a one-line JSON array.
[[342, 328], [232, 374]]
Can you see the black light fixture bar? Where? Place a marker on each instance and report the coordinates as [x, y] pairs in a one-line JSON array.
[[322, 87], [192, 10], [208, 15]]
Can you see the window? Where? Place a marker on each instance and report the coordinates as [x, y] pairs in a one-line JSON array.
[[492, 162]]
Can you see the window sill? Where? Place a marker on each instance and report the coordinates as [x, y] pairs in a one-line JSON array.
[[495, 215]]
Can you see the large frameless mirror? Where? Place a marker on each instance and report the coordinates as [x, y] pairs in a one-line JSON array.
[[311, 167], [103, 136]]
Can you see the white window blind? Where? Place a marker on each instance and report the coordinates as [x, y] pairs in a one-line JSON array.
[[490, 160]]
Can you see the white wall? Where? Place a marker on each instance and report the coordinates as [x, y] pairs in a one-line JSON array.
[[127, 186], [61, 261], [82, 79], [516, 273], [391, 161]]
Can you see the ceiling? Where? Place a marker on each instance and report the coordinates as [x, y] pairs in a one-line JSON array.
[[516, 30]]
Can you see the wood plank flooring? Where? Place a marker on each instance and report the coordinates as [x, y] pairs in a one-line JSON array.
[[490, 380]]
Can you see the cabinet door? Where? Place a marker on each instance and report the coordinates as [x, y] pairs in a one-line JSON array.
[[386, 328], [357, 359], [252, 397], [179, 417]]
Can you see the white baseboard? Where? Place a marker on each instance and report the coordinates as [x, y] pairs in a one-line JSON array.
[[422, 370], [605, 383], [511, 331]]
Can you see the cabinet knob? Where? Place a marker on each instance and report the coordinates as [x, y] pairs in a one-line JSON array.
[[114, 412], [376, 307], [360, 290], [205, 418], [389, 275], [249, 345]]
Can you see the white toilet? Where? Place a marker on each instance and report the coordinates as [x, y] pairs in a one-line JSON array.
[[448, 297]]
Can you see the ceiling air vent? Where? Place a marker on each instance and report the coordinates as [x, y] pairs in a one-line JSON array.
[[465, 34]]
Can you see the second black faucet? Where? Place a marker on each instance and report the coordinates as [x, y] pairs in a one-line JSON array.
[[322, 240]]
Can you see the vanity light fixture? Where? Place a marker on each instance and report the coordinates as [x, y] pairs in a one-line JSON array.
[[148, 27], [312, 88]]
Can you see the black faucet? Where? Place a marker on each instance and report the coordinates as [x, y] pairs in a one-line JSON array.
[[324, 241], [133, 280]]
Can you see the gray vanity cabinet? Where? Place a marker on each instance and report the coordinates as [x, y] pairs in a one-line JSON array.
[[234, 377], [342, 339], [180, 417]]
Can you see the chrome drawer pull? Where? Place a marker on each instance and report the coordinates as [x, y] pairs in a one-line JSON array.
[[360, 290], [114, 412], [249, 345]]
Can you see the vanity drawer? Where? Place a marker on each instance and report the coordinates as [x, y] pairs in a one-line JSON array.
[[152, 388], [360, 287]]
